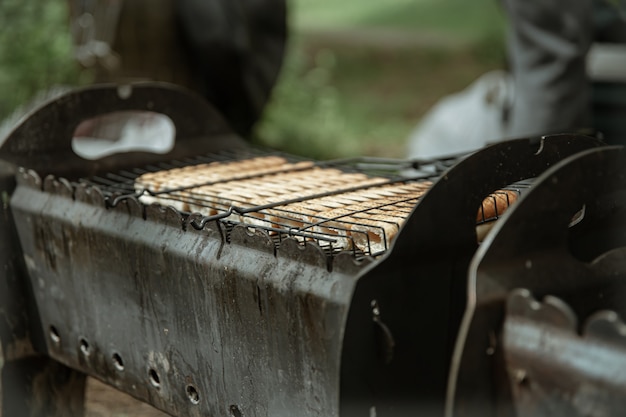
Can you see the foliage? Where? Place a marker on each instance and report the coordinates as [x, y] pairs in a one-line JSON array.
[[35, 50], [471, 20], [333, 99], [303, 115], [341, 97], [340, 100]]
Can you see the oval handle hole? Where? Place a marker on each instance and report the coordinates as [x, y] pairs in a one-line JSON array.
[[123, 131]]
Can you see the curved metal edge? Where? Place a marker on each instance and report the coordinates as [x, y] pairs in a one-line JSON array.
[[606, 326], [43, 139], [28, 178], [309, 253], [421, 282], [164, 215], [58, 186], [464, 186], [552, 368], [248, 236], [89, 194], [252, 238], [551, 310], [130, 205], [527, 248], [346, 263]]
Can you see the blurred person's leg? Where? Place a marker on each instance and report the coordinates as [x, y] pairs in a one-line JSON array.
[[235, 50], [547, 42]]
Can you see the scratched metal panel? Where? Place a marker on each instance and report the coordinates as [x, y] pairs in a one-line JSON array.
[[202, 326]]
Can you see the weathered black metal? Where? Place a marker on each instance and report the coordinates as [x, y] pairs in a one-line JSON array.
[[31, 384], [43, 140], [534, 248], [243, 326], [555, 370], [420, 285], [205, 319]]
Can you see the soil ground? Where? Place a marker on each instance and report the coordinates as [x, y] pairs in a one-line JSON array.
[[104, 401]]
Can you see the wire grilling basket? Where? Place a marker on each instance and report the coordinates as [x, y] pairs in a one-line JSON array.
[[360, 211]]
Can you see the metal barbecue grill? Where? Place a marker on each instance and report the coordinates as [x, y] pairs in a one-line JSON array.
[[117, 187], [214, 315]]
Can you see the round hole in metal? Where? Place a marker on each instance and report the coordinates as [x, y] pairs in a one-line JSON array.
[[154, 378], [235, 411], [125, 91], [192, 394], [54, 335], [84, 347], [118, 362]]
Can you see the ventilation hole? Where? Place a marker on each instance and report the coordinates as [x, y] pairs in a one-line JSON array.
[[192, 394], [118, 362], [54, 335], [84, 347], [234, 411], [154, 378], [125, 91]]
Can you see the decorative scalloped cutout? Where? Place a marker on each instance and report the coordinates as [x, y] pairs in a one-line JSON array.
[[309, 253], [302, 251], [603, 326], [606, 326], [58, 186], [254, 239], [128, 205], [28, 178], [551, 310], [166, 215], [346, 263], [90, 195]]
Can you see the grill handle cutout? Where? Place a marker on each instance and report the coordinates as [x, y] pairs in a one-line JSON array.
[[43, 140], [123, 131]]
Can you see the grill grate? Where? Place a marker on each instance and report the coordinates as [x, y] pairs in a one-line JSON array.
[[360, 225]]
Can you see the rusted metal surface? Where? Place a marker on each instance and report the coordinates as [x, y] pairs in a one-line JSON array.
[[200, 324], [199, 318], [554, 369], [30, 384], [420, 286], [538, 247]]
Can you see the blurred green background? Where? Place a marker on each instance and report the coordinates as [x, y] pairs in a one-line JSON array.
[[357, 77]]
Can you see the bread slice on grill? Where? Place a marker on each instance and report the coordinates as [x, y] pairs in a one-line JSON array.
[[356, 211], [496, 204], [171, 187]]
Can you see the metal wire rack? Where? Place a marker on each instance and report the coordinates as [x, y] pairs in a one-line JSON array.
[[346, 216]]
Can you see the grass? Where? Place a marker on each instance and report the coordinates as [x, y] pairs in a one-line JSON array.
[[344, 95], [470, 19]]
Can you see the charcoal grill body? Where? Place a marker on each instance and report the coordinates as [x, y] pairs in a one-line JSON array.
[[420, 287], [195, 320], [187, 312], [200, 319], [30, 383], [543, 332]]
